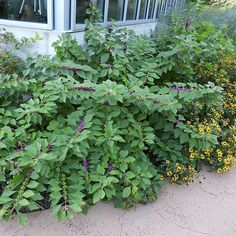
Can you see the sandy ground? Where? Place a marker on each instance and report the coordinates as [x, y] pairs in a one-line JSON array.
[[207, 207]]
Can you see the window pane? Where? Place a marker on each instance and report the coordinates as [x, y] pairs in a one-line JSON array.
[[81, 7], [115, 11], [151, 9], [143, 8], [131, 9], [24, 10]]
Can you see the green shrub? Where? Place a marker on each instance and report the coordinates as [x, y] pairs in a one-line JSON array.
[[108, 121]]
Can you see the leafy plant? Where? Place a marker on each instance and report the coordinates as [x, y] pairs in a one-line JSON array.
[[107, 121]]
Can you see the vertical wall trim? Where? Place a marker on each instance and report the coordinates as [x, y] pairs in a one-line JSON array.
[[62, 14]]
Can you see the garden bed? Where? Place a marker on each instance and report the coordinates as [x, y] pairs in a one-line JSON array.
[[116, 119]]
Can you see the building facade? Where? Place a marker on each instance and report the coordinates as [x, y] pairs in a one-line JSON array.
[[52, 17]]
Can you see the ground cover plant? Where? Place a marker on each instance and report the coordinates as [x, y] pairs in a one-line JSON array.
[[114, 119]]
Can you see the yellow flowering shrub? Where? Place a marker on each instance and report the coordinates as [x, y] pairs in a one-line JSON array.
[[220, 119]]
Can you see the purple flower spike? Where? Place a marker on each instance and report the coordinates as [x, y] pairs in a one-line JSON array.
[[14, 128], [187, 24], [180, 89], [87, 89], [81, 126], [50, 146], [85, 164], [20, 148], [111, 167]]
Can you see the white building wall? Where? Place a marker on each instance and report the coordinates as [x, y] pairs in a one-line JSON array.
[[44, 46]]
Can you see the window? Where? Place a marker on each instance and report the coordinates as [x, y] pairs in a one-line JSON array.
[[118, 10], [131, 10], [115, 10], [26, 13], [151, 9], [81, 7]]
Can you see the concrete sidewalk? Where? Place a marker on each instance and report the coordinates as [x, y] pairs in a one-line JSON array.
[[207, 207]]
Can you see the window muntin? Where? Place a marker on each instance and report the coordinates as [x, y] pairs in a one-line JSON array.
[[151, 9], [143, 8]]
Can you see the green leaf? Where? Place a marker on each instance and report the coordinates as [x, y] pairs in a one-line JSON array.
[[2, 145], [32, 184], [22, 219], [24, 202], [130, 175], [100, 170], [76, 208], [98, 196], [126, 192], [4, 200], [28, 194], [104, 58], [184, 138]]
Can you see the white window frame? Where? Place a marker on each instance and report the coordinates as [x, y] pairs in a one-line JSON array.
[[34, 25]]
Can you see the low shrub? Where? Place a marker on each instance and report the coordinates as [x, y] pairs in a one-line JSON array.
[[111, 120]]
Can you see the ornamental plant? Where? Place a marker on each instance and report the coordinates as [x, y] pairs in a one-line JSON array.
[[107, 121]]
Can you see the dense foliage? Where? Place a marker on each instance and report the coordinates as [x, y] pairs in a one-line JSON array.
[[111, 120]]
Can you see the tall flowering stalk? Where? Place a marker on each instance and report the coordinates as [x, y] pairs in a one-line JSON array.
[[187, 24]]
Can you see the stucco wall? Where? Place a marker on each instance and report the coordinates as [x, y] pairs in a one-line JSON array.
[[44, 46]]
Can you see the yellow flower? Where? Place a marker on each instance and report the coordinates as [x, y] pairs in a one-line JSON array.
[[176, 177], [226, 169], [208, 129], [219, 170], [220, 154], [162, 177], [227, 161], [207, 152], [186, 178], [169, 173], [229, 152], [202, 157], [167, 162], [224, 144], [192, 155], [201, 131], [173, 179]]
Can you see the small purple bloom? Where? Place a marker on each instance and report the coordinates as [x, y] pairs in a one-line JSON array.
[[187, 24], [20, 148], [110, 167], [109, 66], [50, 146], [87, 89], [177, 122], [14, 128], [81, 125], [85, 164]]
